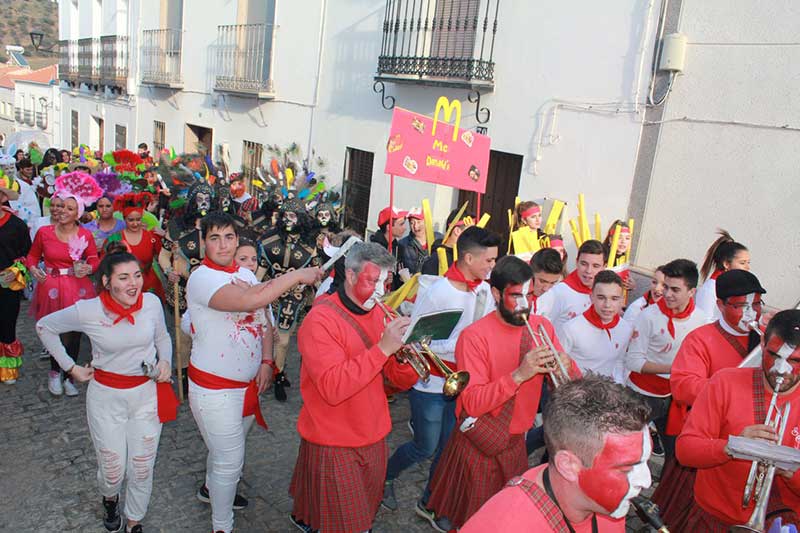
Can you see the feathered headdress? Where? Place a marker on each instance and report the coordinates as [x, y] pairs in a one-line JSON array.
[[112, 185], [130, 202]]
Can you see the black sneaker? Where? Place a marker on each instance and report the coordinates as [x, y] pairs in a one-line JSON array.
[[112, 520], [239, 501], [280, 383], [658, 449], [136, 529], [302, 526], [389, 500]]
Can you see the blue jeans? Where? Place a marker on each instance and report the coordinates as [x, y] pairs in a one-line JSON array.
[[535, 437], [433, 417]]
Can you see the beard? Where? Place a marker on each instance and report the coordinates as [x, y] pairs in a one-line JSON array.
[[515, 318]]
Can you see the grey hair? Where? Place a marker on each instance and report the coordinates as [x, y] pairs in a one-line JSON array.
[[368, 252]]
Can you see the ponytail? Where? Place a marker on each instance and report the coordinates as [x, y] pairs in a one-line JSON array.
[[722, 250]]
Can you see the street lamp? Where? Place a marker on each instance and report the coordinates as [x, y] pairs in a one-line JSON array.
[[37, 36]]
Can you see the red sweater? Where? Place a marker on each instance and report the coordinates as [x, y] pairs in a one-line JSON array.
[[489, 351], [341, 381], [725, 407]]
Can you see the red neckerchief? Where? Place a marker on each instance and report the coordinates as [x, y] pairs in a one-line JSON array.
[[648, 298], [595, 320], [576, 284], [115, 307], [230, 269], [717, 273], [454, 274], [662, 306]]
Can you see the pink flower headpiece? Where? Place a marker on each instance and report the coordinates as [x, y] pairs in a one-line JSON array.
[[80, 185]]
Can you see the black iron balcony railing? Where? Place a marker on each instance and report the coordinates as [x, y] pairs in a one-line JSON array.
[[114, 61], [68, 61], [244, 59], [41, 120], [161, 57], [19, 115], [444, 42], [89, 60]]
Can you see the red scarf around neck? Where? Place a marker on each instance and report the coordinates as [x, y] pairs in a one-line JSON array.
[[576, 284], [648, 298], [230, 269], [662, 306], [123, 313], [594, 319], [454, 274], [717, 273], [5, 216]]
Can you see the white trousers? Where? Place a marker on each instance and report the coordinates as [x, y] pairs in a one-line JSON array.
[[125, 431], [218, 414]]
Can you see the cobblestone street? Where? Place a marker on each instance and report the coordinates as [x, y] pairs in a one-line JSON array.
[[48, 467]]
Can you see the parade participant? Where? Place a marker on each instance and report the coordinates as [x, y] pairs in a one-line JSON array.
[[105, 225], [390, 232], [723, 254], [226, 368], [56, 205], [597, 339], [326, 225], [498, 406], [15, 242], [572, 296], [734, 402], [527, 238], [129, 395], [557, 244], [705, 351], [347, 354], [69, 257], [142, 243], [288, 247], [414, 246], [432, 412], [623, 245], [27, 204], [245, 204], [657, 336], [653, 294], [598, 445], [547, 269], [431, 265]]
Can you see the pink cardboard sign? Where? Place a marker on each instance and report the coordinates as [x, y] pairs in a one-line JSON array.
[[425, 149]]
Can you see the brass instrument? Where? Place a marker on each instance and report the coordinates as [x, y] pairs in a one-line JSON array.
[[408, 354], [649, 513], [558, 374], [454, 381]]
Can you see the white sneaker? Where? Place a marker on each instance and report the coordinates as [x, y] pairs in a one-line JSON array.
[[54, 383], [10, 381], [69, 388]]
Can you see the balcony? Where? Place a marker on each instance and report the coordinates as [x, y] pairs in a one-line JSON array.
[[41, 120], [68, 61], [19, 115], [161, 58], [446, 43], [29, 117], [89, 61], [244, 60], [114, 61]]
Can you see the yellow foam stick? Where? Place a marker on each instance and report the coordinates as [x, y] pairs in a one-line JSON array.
[[575, 235], [630, 246], [553, 216], [598, 227], [426, 213], [407, 290], [583, 221], [442, 254], [510, 228], [484, 220], [455, 221], [612, 254]]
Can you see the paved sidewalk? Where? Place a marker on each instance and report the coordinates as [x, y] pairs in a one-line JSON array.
[[48, 467]]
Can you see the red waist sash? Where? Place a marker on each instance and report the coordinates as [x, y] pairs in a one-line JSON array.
[[214, 382], [165, 396], [652, 383]]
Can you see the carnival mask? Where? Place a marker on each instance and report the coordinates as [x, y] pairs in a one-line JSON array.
[[324, 218], [289, 221], [203, 202], [369, 287], [237, 189]]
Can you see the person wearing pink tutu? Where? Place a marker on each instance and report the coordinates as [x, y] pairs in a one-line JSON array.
[[69, 256]]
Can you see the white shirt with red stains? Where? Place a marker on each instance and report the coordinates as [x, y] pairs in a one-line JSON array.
[[561, 304], [595, 349]]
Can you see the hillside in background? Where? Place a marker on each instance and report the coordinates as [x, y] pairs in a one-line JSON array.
[[19, 17]]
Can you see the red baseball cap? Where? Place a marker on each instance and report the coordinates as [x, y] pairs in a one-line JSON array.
[[416, 212], [383, 216]]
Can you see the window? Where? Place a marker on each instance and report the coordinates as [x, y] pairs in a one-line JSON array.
[[357, 186], [252, 155], [120, 137], [159, 137], [74, 125]]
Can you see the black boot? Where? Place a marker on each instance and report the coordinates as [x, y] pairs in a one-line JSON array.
[[112, 520], [185, 382], [279, 384]]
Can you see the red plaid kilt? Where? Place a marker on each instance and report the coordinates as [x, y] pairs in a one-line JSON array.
[[700, 520], [465, 478], [338, 490], [675, 494]]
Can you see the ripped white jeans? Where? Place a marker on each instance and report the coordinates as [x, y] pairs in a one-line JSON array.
[[125, 431]]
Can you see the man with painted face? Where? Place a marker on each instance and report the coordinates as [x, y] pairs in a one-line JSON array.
[[347, 353], [572, 296], [507, 368], [705, 351], [432, 413], [734, 402], [598, 443], [288, 247]]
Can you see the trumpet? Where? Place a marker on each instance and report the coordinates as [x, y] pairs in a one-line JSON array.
[[558, 374], [454, 381]]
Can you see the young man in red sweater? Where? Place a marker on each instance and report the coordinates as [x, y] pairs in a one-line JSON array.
[[347, 352], [735, 402]]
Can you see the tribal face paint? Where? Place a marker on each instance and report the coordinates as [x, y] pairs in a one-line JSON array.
[[619, 472], [740, 311], [516, 302], [369, 286], [780, 357]]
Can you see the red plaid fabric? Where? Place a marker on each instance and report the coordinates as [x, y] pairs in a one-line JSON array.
[[699, 520], [540, 499], [759, 396], [338, 490], [675, 494], [465, 478], [740, 348]]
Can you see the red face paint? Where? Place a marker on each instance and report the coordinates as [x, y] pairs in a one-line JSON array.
[[740, 311], [369, 285], [518, 297]]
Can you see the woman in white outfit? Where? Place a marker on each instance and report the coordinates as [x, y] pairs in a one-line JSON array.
[[129, 394]]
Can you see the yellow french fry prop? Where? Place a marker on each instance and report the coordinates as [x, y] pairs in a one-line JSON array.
[[426, 213], [583, 222], [455, 221], [469, 221], [598, 227], [442, 254], [525, 241], [575, 234], [484, 220], [407, 290], [510, 229], [612, 254], [553, 216], [630, 246]]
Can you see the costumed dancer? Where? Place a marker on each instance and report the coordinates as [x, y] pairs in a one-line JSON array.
[[227, 369], [26, 204], [244, 203], [657, 336], [288, 247], [598, 445], [414, 249], [705, 351], [15, 243], [598, 339], [69, 257], [547, 272], [144, 244], [129, 395], [106, 224], [431, 265], [528, 236], [651, 296], [723, 254], [432, 412], [735, 402], [325, 223], [498, 406], [347, 354]]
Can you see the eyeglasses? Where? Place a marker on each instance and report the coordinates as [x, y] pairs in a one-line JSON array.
[[755, 305]]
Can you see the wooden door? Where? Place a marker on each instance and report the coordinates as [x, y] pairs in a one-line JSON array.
[[357, 187]]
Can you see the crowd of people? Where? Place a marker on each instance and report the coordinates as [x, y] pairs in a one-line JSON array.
[[532, 355]]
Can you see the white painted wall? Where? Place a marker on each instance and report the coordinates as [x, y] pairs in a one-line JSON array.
[[744, 177], [32, 94]]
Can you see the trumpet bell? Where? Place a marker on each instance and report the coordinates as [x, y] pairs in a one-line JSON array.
[[455, 383]]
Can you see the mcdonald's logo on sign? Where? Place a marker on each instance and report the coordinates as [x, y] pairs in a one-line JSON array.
[[448, 107]]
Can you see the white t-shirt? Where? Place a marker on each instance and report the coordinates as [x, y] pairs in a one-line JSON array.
[[634, 309], [706, 299], [226, 344], [593, 350], [561, 304]]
